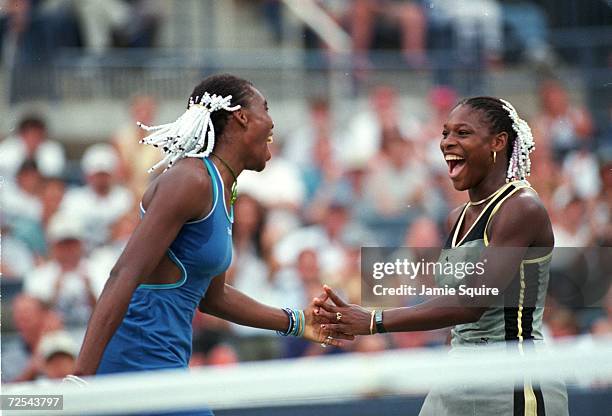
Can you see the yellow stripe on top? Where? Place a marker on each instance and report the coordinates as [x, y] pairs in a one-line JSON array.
[[531, 403], [519, 316], [538, 259], [519, 185]]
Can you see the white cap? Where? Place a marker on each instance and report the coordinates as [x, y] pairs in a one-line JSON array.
[[57, 342], [63, 227], [99, 158]]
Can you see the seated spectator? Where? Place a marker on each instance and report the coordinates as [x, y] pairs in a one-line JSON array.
[[98, 20], [22, 207], [581, 170], [32, 320], [324, 172], [135, 159], [475, 23], [103, 258], [369, 18], [141, 27], [299, 145], [364, 132], [396, 188], [31, 143], [32, 32], [17, 260], [278, 186], [57, 351], [22, 198], [560, 127], [51, 196], [464, 41], [529, 26], [570, 224], [64, 282], [97, 205], [601, 219], [325, 238]]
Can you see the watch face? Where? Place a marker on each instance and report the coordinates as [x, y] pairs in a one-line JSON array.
[[379, 322]]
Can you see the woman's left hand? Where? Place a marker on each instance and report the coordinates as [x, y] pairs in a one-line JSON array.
[[343, 317], [316, 332]]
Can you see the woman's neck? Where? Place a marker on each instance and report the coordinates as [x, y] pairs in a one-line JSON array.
[[231, 167], [486, 187]]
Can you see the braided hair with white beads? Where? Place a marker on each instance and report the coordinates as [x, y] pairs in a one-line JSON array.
[[194, 133]]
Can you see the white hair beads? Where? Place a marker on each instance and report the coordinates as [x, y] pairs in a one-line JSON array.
[[519, 166], [192, 134]]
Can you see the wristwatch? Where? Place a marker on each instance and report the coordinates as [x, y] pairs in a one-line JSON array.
[[378, 317]]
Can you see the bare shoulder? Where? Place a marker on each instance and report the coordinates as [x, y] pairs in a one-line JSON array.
[[523, 217], [526, 204], [186, 188]]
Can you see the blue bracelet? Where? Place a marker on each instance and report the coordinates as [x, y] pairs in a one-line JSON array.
[[302, 327], [292, 322], [296, 329]]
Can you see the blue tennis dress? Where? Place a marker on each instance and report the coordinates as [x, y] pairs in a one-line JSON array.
[[156, 332]]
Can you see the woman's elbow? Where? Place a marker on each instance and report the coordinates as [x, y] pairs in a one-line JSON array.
[[119, 276]]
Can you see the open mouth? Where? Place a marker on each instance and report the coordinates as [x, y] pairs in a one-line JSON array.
[[269, 140], [455, 165]]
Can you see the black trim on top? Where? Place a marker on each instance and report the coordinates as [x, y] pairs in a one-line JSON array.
[[541, 410], [511, 298], [519, 402], [477, 232]]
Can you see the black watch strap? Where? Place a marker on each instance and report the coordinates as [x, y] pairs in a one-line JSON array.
[[378, 317]]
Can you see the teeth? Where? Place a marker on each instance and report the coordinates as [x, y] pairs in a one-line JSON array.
[[452, 157], [270, 138]]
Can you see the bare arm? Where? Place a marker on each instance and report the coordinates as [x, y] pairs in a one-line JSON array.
[[510, 231], [170, 207], [226, 302]]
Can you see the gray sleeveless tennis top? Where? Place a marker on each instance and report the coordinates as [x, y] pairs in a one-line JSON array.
[[521, 318]]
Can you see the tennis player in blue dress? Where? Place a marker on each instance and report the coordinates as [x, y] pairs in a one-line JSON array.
[[175, 261]]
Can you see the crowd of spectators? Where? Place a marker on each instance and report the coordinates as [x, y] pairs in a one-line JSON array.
[[455, 43], [329, 189]]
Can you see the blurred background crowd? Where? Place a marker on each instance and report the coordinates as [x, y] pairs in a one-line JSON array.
[[356, 159]]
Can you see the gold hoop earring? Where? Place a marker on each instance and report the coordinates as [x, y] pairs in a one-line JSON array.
[[494, 157]]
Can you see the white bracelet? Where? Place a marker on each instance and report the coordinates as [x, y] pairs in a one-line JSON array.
[[72, 379]]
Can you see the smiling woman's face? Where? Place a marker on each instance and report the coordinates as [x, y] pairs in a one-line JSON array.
[[259, 132], [466, 145]]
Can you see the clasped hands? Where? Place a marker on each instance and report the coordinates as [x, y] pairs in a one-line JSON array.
[[329, 319]]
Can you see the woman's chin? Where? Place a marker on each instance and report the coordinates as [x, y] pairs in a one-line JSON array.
[[460, 185]]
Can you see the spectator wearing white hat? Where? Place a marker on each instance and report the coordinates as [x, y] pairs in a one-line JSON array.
[[31, 143], [57, 351], [64, 282], [101, 202]]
